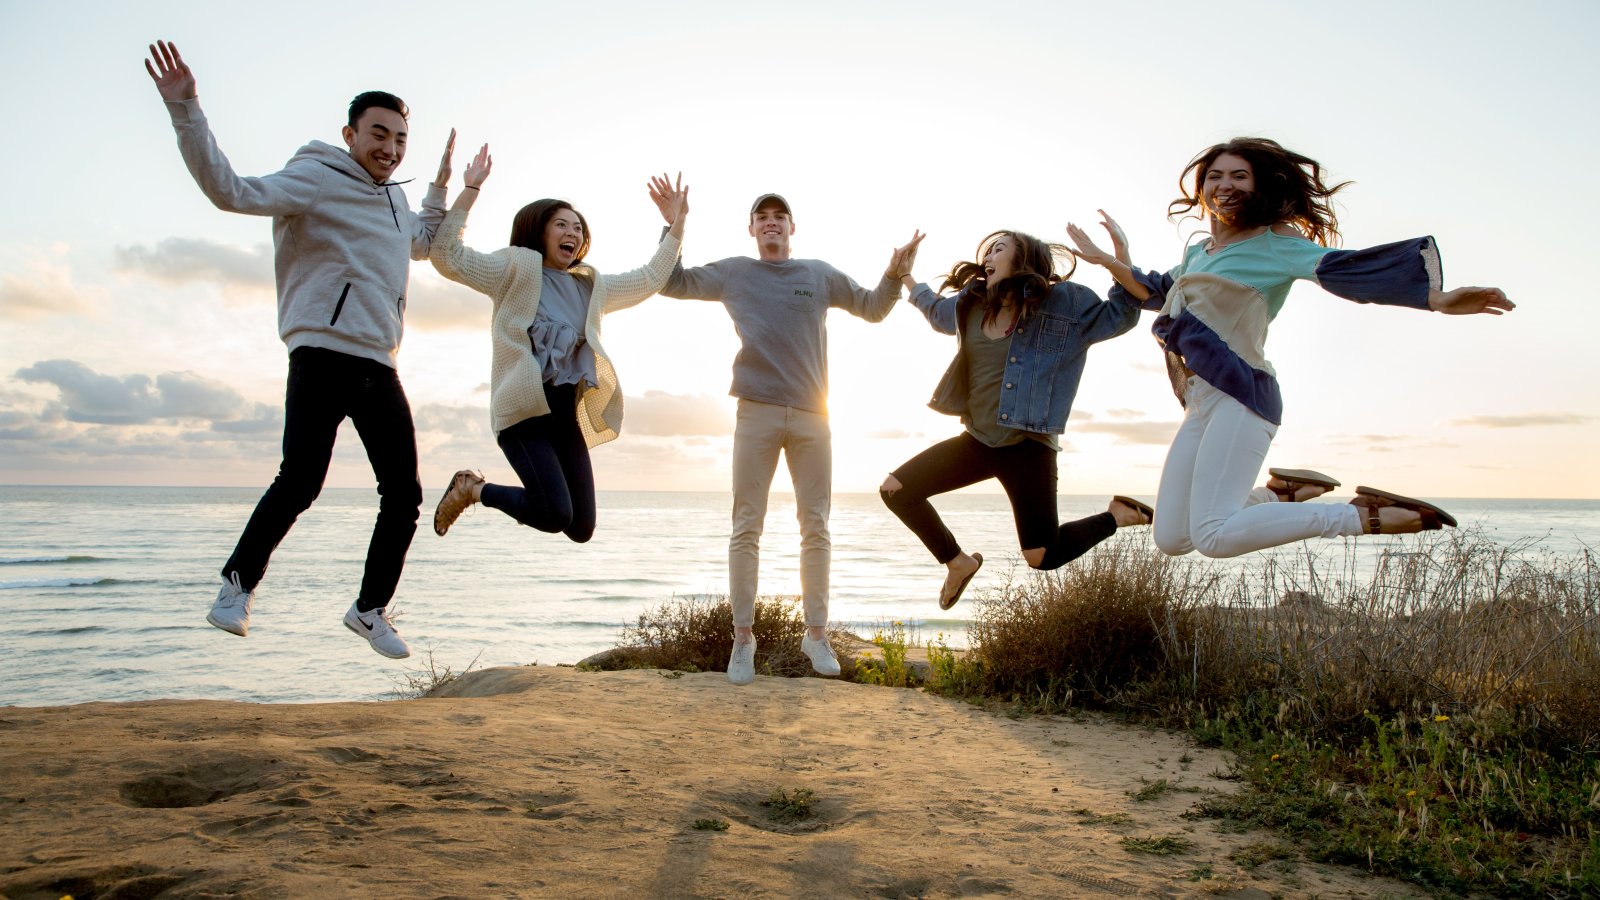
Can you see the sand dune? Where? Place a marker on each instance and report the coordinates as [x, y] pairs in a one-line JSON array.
[[548, 781]]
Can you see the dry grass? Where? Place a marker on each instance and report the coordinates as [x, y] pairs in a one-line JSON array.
[[696, 635]]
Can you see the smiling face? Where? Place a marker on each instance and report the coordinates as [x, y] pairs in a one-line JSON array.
[[1226, 187], [377, 141], [563, 238], [771, 226], [1000, 259]]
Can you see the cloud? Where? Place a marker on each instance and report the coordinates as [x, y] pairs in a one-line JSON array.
[[46, 291], [1529, 420], [435, 304], [176, 260], [92, 398], [1153, 433], [662, 414]]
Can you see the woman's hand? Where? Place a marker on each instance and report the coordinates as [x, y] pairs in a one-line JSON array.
[[477, 170], [443, 178], [1090, 252], [671, 199], [1465, 301], [170, 73], [903, 258]]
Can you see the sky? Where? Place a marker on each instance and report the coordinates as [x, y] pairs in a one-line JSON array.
[[138, 335]]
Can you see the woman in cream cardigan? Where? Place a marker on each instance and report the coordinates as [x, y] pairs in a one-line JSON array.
[[553, 392]]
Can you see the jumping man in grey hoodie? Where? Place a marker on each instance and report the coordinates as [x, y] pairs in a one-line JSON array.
[[343, 236]]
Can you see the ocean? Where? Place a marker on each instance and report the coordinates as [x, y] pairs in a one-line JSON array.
[[104, 590]]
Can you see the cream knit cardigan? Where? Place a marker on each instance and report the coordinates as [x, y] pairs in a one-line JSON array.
[[512, 278]]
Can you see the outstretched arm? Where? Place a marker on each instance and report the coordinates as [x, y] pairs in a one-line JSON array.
[[632, 288], [285, 192], [874, 305], [483, 272], [1118, 263]]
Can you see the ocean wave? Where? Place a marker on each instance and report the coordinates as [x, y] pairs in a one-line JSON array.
[[46, 558], [54, 582]]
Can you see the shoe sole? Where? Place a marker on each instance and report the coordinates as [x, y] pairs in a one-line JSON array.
[[217, 624], [1412, 504], [375, 648], [1305, 476]]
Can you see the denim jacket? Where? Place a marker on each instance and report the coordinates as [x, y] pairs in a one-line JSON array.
[[1046, 358]]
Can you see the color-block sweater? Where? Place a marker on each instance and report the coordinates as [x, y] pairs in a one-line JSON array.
[[1215, 307], [513, 278]]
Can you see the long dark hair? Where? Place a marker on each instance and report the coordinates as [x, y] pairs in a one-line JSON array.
[[1027, 286], [1289, 188], [527, 229]]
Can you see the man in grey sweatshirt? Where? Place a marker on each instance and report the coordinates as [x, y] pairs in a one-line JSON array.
[[779, 308], [343, 237]]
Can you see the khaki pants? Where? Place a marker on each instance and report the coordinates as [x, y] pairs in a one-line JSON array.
[[763, 431]]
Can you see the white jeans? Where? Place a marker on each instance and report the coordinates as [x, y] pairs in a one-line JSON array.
[[1205, 501], [763, 430]]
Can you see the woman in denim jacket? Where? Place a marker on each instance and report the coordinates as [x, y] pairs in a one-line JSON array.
[[1022, 334]]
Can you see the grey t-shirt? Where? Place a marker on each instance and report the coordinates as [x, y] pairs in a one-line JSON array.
[[557, 330], [986, 372], [780, 311]]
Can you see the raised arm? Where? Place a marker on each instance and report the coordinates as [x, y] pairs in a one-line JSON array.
[[874, 305], [483, 272], [286, 192], [631, 288], [428, 221], [1147, 289]]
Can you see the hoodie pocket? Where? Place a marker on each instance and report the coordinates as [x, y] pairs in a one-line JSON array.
[[367, 313]]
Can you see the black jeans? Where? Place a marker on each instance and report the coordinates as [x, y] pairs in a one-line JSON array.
[[1027, 471], [324, 388], [551, 457]]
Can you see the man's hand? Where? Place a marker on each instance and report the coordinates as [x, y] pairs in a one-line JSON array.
[[170, 73], [443, 178]]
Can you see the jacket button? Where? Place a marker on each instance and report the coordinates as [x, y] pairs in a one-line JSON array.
[[1004, 417], [1013, 359], [1008, 385]]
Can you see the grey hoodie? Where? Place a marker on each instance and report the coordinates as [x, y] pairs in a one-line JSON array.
[[342, 243]]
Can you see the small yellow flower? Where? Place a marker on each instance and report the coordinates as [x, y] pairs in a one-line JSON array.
[[1274, 757], [1441, 718], [1411, 793]]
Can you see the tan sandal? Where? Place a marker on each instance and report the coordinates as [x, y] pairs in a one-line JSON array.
[[1433, 517], [1138, 506], [457, 497], [1297, 479], [950, 601]]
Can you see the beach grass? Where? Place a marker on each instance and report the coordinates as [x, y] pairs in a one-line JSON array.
[[1433, 717]]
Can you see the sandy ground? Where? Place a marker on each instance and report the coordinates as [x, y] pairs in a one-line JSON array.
[[548, 781]]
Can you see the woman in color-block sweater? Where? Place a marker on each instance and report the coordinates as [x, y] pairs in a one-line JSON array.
[[1023, 334], [1270, 224], [553, 392]]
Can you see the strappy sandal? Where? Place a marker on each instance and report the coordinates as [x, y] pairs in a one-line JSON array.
[[1433, 517], [457, 497], [950, 601], [1138, 506], [1297, 479]]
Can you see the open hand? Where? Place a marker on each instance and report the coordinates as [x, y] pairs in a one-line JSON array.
[[443, 178], [1465, 301], [170, 73], [672, 199], [1088, 251], [903, 258], [478, 170]]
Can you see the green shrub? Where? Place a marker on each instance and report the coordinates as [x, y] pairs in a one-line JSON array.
[[696, 635]]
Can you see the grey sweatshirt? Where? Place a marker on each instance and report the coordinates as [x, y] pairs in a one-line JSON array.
[[342, 243], [780, 311]]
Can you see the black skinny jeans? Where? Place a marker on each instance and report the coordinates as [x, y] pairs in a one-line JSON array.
[[1027, 471], [551, 457], [324, 388]]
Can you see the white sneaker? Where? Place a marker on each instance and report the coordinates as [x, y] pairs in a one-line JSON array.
[[821, 655], [375, 626], [742, 662], [231, 611]]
